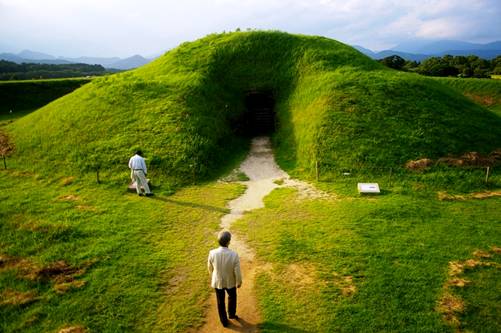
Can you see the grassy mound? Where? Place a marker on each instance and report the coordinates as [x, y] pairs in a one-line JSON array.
[[483, 91], [335, 108]]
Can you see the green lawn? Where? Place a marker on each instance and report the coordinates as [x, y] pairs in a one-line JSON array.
[[374, 264], [130, 263]]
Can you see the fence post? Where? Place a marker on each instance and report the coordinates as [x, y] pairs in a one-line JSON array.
[[389, 181], [487, 174], [316, 169]]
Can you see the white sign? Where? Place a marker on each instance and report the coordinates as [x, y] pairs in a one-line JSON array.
[[368, 188]]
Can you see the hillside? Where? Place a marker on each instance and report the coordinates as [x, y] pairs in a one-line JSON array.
[[334, 107], [482, 91]]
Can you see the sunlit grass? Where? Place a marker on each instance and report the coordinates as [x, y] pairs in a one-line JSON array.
[[373, 264], [142, 259]]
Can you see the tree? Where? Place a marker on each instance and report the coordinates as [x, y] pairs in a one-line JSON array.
[[394, 61], [6, 147], [436, 66]]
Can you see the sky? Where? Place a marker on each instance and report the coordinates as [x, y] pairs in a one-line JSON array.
[[149, 27]]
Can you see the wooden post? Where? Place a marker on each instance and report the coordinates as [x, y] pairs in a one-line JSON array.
[[4, 162], [97, 176], [487, 174], [316, 169], [389, 181]]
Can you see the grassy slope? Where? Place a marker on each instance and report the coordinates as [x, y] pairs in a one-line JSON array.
[[483, 91], [373, 264], [148, 271], [334, 106], [33, 94]]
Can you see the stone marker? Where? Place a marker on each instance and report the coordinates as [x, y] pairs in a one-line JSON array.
[[372, 188]]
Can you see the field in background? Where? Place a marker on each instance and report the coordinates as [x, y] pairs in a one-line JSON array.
[[23, 95]]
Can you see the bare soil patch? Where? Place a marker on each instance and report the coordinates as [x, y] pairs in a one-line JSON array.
[[63, 276], [15, 297], [72, 329], [69, 197], [444, 196], [450, 305]]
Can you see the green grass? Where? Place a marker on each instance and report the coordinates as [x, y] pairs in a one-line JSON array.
[[23, 95], [351, 264], [483, 91], [372, 264], [334, 106], [147, 256]]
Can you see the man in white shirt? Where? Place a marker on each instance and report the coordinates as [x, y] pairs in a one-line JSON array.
[[138, 173], [224, 266]]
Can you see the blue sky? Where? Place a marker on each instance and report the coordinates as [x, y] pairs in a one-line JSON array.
[[148, 27]]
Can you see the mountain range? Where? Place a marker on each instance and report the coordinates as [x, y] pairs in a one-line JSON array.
[[420, 50], [28, 56], [416, 50]]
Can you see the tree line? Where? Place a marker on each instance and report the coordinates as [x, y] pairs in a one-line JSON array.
[[459, 66], [11, 71]]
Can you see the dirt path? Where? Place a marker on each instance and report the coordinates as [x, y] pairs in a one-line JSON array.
[[262, 171]]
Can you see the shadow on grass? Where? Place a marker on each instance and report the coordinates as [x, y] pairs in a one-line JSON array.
[[190, 204]]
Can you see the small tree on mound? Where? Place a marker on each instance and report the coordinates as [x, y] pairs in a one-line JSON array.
[[6, 147]]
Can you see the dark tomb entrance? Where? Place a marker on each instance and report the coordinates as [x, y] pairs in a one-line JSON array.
[[259, 118]]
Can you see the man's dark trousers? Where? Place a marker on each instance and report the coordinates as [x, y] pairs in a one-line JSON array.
[[232, 303]]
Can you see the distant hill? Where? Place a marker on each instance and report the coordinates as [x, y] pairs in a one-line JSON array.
[[103, 61], [27, 56], [19, 60], [31, 55], [131, 62], [421, 50]]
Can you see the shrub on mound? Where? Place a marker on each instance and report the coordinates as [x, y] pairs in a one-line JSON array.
[[333, 106]]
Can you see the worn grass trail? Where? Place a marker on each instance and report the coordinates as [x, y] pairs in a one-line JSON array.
[[264, 176]]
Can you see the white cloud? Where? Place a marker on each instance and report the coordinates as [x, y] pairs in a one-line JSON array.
[[125, 27]]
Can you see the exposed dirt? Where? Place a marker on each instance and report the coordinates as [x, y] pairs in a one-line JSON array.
[[69, 197], [67, 181], [14, 297], [264, 176], [60, 273], [72, 329], [469, 159], [444, 196], [450, 305], [482, 99]]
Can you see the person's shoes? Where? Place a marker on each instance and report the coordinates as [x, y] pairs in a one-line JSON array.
[[233, 317], [140, 194], [225, 324], [149, 194]]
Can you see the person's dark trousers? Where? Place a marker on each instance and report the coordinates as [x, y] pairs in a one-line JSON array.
[[232, 303]]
